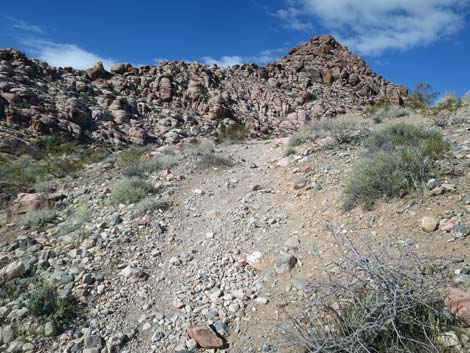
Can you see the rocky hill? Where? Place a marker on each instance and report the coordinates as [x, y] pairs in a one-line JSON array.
[[177, 100]]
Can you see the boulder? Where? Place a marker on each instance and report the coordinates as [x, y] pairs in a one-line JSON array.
[[97, 72], [120, 68], [205, 336], [458, 303]]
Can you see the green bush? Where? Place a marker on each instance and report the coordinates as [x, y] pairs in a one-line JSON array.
[[46, 304], [386, 174], [402, 135], [131, 191], [38, 219], [55, 145], [290, 151]]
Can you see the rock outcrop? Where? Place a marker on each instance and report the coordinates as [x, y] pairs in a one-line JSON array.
[[178, 100]]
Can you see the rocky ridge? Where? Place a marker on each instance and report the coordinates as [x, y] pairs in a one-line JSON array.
[[179, 101]]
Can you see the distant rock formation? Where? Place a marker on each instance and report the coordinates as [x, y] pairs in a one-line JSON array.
[[177, 100]]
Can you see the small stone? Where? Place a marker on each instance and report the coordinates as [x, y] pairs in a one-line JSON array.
[[261, 300], [191, 344], [157, 336], [93, 341], [285, 264], [50, 329], [132, 272], [300, 183], [460, 231], [221, 329], [446, 225], [88, 278], [429, 224]]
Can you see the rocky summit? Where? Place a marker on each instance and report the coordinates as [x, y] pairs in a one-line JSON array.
[[179, 101]]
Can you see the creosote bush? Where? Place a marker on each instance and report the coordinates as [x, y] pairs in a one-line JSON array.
[[131, 191], [375, 301], [422, 97], [46, 303], [400, 160]]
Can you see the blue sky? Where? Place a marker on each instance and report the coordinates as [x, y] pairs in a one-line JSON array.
[[406, 41]]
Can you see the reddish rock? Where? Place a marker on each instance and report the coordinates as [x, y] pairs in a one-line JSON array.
[[205, 336], [25, 203], [458, 303]]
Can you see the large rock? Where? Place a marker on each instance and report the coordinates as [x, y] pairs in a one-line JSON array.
[[458, 303], [11, 271], [97, 72], [165, 89], [120, 68], [205, 336], [25, 203]]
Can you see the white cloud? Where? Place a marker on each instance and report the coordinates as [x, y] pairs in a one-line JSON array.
[[224, 61], [372, 26], [291, 17], [63, 55], [262, 58], [21, 25]]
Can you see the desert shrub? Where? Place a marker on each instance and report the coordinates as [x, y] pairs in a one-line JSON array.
[[149, 204], [448, 102], [290, 151], [130, 191], [299, 138], [422, 97], [466, 98], [344, 129], [38, 219], [46, 303], [205, 157], [374, 301], [391, 112], [55, 145], [400, 160], [148, 166], [406, 135], [212, 160], [130, 156], [386, 175], [234, 133], [78, 217]]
